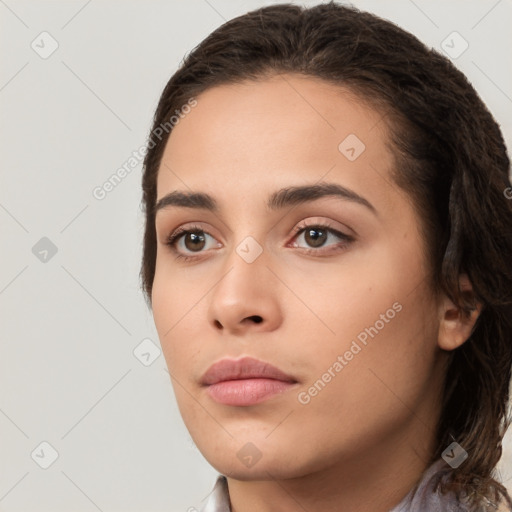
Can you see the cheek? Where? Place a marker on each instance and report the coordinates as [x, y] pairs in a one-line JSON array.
[[347, 298], [173, 307], [376, 385], [379, 318]]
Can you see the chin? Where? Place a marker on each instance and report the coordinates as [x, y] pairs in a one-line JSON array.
[[262, 470], [245, 461]]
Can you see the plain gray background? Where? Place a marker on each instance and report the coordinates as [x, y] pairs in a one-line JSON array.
[[72, 319]]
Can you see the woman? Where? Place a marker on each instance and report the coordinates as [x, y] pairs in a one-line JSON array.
[[327, 256]]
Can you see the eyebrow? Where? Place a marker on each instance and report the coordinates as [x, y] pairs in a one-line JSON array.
[[289, 196]]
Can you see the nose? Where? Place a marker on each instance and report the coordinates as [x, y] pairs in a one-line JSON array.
[[246, 299]]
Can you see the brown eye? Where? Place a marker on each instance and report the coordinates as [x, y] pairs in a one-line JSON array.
[[316, 237], [194, 240], [185, 242]]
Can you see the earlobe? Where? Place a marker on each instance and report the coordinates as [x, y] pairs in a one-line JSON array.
[[454, 326]]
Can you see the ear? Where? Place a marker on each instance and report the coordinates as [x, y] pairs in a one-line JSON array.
[[455, 327]]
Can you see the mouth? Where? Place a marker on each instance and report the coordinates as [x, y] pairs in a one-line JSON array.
[[245, 381]]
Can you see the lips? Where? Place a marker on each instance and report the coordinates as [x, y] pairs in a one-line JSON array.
[[245, 368], [245, 382]]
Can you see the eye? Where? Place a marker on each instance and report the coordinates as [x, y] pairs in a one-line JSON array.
[[315, 235], [192, 238]]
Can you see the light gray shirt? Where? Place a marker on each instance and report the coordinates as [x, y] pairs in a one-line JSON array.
[[419, 499]]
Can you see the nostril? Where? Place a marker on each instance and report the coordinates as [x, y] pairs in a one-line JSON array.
[[256, 318]]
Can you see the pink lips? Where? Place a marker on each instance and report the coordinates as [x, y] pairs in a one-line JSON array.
[[245, 381]]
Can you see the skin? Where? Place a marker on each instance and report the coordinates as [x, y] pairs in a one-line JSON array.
[[374, 422]]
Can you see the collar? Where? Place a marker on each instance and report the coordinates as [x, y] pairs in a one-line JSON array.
[[218, 500]]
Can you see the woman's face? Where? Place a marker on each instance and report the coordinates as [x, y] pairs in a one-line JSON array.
[[343, 307]]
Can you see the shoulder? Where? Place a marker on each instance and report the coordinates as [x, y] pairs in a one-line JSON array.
[[502, 506], [426, 495]]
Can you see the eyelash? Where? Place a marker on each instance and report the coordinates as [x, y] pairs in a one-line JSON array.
[[174, 237]]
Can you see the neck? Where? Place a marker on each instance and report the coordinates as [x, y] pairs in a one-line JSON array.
[[377, 479]]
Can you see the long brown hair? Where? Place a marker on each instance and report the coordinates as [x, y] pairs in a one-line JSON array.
[[450, 158]]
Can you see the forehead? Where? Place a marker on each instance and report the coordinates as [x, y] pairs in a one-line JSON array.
[[265, 133]]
